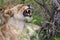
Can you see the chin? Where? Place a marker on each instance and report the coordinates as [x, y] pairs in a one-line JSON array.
[[29, 19]]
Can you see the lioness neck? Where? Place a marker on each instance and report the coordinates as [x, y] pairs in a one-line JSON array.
[[19, 24]]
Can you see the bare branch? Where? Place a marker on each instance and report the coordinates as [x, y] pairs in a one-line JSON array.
[[38, 2], [44, 6]]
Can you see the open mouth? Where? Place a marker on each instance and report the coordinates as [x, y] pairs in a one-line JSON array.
[[27, 12]]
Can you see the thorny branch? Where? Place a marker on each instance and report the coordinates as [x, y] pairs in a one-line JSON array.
[[54, 16], [43, 4]]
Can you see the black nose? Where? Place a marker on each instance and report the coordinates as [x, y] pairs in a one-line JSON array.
[[29, 6]]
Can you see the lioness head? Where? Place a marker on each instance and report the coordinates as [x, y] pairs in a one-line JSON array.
[[19, 12]]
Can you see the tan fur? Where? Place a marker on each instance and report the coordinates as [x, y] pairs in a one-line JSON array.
[[14, 23]]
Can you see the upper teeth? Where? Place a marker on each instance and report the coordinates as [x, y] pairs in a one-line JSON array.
[[27, 10]]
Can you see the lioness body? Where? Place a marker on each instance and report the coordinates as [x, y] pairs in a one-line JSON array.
[[14, 22]]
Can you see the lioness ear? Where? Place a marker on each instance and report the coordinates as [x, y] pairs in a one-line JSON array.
[[8, 13]]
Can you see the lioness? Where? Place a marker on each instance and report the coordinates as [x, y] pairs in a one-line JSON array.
[[14, 20]]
